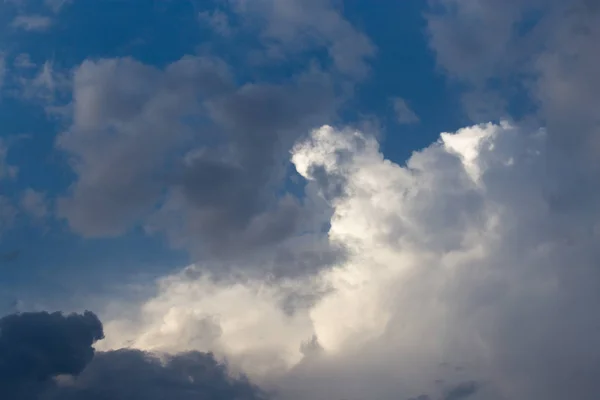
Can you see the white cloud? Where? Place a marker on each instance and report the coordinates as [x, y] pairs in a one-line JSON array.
[[36, 23], [458, 269]]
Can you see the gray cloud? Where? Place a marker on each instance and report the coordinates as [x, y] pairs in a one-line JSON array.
[[462, 391], [404, 114], [50, 356], [226, 197], [34, 347], [292, 26], [134, 374], [127, 122], [189, 153]]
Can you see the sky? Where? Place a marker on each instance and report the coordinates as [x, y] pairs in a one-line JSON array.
[[299, 199]]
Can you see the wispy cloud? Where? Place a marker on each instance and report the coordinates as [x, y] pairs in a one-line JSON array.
[[32, 23]]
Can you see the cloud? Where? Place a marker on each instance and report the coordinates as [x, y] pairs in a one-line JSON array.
[[404, 114], [56, 5], [461, 279], [2, 70], [38, 346], [50, 356], [197, 153], [32, 23], [217, 20], [23, 60], [7, 171], [34, 203], [131, 113], [292, 26], [533, 53], [462, 391], [191, 155], [8, 213], [137, 375]]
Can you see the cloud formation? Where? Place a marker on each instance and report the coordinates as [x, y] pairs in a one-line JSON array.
[[35, 347], [196, 155], [458, 258], [50, 356]]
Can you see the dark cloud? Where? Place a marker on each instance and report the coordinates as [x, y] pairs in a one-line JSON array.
[[462, 391], [50, 357], [35, 347], [226, 198], [132, 374]]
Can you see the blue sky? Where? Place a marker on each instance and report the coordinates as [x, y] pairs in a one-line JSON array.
[[338, 199]]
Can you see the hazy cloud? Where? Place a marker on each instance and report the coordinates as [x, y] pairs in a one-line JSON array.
[[34, 203], [34, 23], [404, 114]]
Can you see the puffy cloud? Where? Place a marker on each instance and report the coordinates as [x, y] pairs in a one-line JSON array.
[[534, 53], [193, 153], [461, 280], [185, 152], [127, 121]]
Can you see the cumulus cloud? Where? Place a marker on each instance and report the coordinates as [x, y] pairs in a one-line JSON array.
[[131, 113], [461, 281], [192, 152], [187, 142]]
